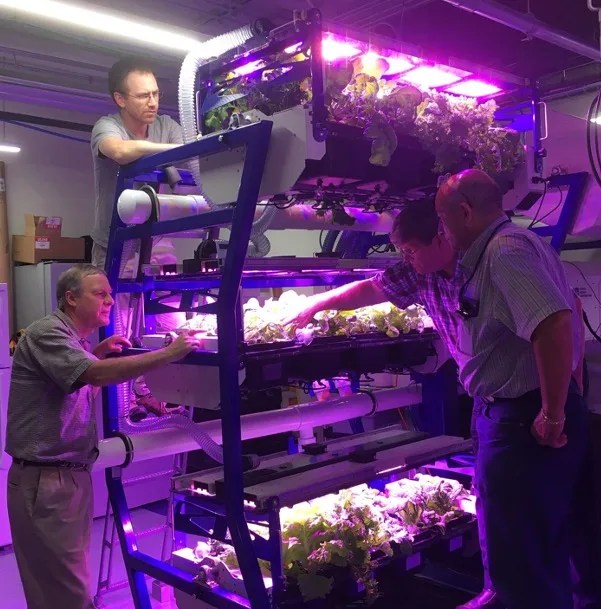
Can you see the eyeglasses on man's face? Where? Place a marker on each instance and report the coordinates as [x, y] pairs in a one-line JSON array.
[[144, 97]]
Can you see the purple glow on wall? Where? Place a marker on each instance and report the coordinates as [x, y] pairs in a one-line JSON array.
[[430, 77], [473, 88], [333, 49]]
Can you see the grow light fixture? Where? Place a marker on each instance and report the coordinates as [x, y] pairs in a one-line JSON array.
[[430, 77], [293, 49], [248, 68], [399, 63], [473, 88], [332, 50]]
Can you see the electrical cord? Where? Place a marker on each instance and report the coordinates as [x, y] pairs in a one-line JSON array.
[[539, 221], [540, 205], [590, 328], [587, 283]]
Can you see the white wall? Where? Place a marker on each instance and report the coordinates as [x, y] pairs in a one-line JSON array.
[[51, 175]]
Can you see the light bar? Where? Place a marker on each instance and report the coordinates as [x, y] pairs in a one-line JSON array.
[[473, 88], [105, 23], [248, 68], [430, 77], [331, 50], [293, 49], [11, 149], [399, 63]]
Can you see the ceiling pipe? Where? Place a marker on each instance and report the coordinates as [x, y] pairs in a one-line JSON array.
[[527, 24]]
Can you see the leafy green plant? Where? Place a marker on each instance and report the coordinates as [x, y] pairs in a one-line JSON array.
[[457, 130]]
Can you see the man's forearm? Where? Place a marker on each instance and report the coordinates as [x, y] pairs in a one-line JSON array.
[[119, 369], [552, 342], [349, 297], [128, 151]]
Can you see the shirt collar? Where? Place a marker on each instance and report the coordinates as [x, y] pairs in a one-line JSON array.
[[69, 323], [473, 252]]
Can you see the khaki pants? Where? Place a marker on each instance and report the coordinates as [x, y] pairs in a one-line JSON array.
[[50, 513]]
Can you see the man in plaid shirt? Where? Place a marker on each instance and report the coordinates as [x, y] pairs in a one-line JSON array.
[[428, 274]]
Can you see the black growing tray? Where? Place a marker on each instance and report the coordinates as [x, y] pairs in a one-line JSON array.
[[347, 156], [326, 357]]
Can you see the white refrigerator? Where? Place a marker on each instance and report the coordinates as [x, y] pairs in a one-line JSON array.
[[5, 538]]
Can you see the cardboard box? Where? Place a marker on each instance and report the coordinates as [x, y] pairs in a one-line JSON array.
[[43, 226], [30, 249]]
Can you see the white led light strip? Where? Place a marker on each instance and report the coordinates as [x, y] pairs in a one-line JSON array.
[[103, 22]]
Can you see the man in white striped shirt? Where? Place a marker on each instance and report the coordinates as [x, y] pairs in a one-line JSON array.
[[516, 355]]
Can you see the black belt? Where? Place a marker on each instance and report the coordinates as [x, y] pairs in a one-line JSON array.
[[66, 464]]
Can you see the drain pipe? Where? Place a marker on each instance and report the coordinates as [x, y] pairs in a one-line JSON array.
[[527, 24]]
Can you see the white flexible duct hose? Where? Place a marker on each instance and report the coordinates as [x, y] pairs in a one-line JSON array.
[[176, 421], [186, 102]]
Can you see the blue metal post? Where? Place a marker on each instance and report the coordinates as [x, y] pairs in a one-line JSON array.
[[228, 336], [257, 138], [576, 183], [538, 150]]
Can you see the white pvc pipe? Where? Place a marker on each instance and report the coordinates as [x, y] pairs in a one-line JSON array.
[[135, 207], [154, 444], [527, 24], [305, 217]]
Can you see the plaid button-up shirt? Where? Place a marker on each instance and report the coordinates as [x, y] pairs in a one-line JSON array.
[[437, 292], [50, 411]]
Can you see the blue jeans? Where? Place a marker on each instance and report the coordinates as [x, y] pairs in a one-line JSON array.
[[528, 499]]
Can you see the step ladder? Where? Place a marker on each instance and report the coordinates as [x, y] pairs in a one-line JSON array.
[[110, 540]]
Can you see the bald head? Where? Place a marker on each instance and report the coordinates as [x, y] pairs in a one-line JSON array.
[[466, 204], [475, 186]]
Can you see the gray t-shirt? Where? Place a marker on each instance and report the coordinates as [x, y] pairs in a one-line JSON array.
[[164, 130], [50, 412]]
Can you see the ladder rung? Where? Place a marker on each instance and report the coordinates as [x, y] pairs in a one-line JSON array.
[[144, 533]]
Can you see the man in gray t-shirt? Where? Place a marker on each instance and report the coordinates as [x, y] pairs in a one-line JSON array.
[[136, 130]]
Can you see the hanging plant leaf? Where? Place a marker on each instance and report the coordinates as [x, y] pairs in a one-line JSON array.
[[384, 142]]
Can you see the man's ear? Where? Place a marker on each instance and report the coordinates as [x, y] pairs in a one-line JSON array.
[[119, 99], [70, 298], [467, 211]]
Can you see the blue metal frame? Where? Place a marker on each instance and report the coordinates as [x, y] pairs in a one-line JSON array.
[[256, 138], [576, 183]]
